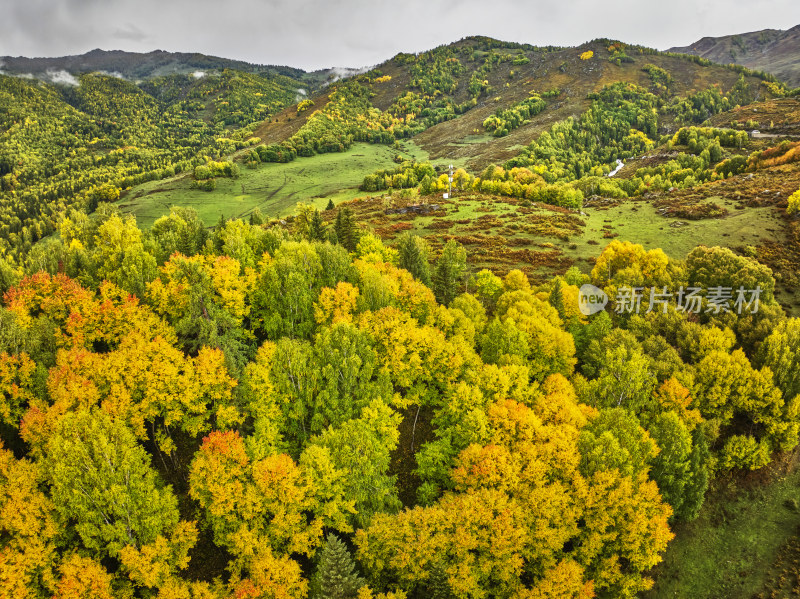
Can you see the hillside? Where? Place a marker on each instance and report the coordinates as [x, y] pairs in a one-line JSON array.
[[775, 51], [72, 145], [487, 76], [266, 333], [137, 65]]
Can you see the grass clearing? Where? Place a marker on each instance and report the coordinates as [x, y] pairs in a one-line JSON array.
[[639, 222], [272, 188], [730, 549], [501, 233]]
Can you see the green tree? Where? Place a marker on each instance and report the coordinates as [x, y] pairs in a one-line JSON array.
[[317, 230], [361, 449], [672, 466], [256, 218], [336, 577], [625, 377], [449, 274], [121, 257], [488, 288], [180, 231], [781, 352], [102, 483], [413, 256], [345, 228], [699, 474], [720, 267], [285, 291], [557, 298], [614, 440]]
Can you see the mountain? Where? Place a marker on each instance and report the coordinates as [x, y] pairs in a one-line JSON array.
[[457, 87], [137, 65], [773, 50]]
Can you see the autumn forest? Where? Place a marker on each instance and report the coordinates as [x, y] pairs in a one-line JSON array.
[[394, 388]]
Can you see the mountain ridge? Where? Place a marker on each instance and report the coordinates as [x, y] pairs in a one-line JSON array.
[[773, 50], [146, 65]]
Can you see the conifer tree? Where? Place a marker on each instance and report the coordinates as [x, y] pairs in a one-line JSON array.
[[336, 577], [557, 298], [345, 229], [317, 228], [217, 237], [449, 272], [413, 256]]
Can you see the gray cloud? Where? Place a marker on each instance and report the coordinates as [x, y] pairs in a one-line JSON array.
[[314, 34], [131, 32]]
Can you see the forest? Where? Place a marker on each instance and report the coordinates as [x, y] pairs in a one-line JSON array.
[[291, 408], [329, 404]]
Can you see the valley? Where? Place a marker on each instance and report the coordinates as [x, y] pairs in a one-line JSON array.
[[269, 333]]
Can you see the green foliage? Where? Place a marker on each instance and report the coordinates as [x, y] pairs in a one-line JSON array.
[[449, 273], [661, 78], [90, 142], [672, 466], [506, 120], [406, 175], [614, 440], [345, 227], [412, 255], [336, 577], [620, 123], [720, 267], [104, 485], [361, 448]]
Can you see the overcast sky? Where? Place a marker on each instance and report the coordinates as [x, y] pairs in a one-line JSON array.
[[313, 34]]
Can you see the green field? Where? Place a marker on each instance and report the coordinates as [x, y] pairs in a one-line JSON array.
[[581, 236], [730, 549], [273, 188], [639, 222]]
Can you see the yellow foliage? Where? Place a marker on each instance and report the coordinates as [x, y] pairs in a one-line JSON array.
[[83, 577], [794, 203], [16, 386], [336, 305], [153, 564], [565, 581], [27, 526], [626, 263], [587, 55]]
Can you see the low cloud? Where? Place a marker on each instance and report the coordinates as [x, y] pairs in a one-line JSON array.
[[62, 77], [199, 74], [337, 73]]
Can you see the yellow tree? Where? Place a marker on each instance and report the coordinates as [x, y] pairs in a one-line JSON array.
[[28, 527], [82, 577], [253, 506]]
